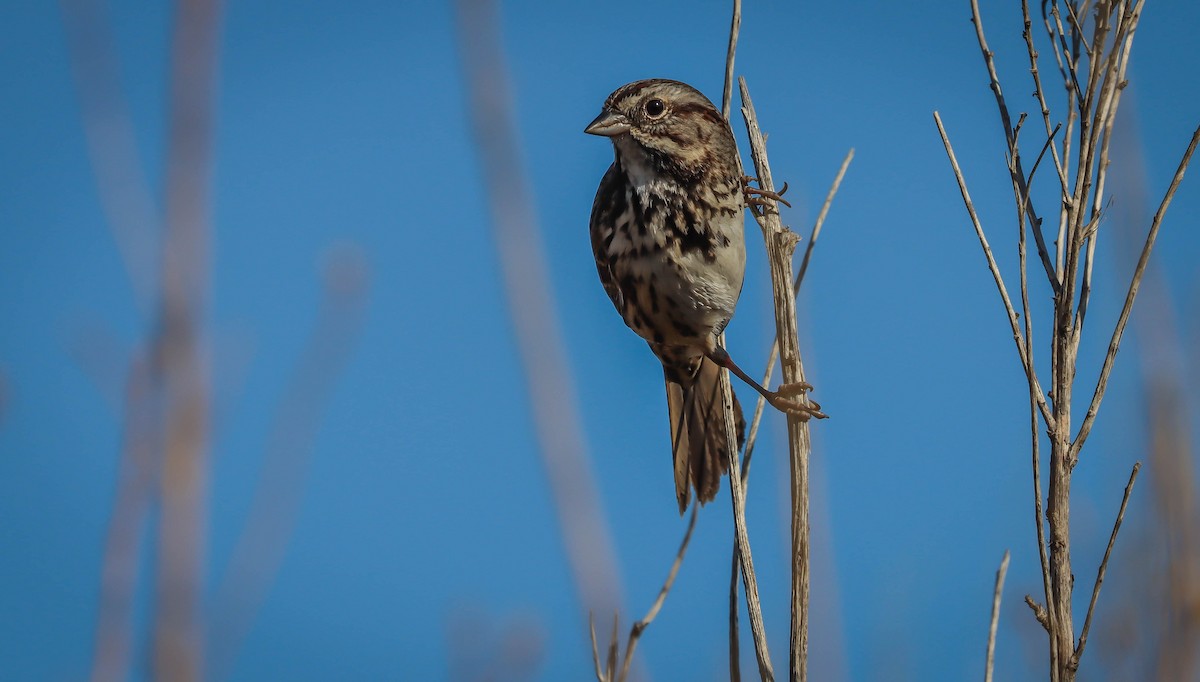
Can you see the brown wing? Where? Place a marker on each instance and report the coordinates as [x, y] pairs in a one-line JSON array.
[[609, 205]]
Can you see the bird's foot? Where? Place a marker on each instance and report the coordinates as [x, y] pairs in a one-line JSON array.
[[756, 196], [785, 400]]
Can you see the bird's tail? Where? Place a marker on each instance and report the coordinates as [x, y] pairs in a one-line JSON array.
[[698, 431]]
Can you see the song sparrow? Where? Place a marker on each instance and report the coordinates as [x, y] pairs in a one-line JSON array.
[[666, 230]]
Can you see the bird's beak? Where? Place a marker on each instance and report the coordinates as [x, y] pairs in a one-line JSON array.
[[609, 124]]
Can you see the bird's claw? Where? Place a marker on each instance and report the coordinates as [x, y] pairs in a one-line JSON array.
[[756, 196], [794, 389], [784, 400]]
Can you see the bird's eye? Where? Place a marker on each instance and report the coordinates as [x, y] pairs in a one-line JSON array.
[[655, 108]]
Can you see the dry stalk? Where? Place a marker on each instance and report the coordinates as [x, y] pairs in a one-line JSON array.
[[995, 622], [1093, 76], [742, 540], [1171, 644], [735, 24], [131, 216], [124, 190], [773, 355], [752, 435], [608, 672], [114, 645], [527, 287], [178, 358], [259, 551], [1112, 539], [742, 554], [781, 244]]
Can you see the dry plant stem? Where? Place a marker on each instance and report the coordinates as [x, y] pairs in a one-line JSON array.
[[1026, 361], [1027, 33], [742, 554], [1035, 435], [1017, 174], [585, 534], [768, 373], [122, 553], [1093, 104], [749, 578], [1039, 612], [1087, 622], [601, 675], [752, 437], [734, 27], [636, 632], [275, 507], [781, 245], [179, 354], [123, 188], [1115, 343], [735, 665], [996, 593], [1164, 362]]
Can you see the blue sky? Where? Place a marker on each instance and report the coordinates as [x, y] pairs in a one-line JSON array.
[[425, 509]]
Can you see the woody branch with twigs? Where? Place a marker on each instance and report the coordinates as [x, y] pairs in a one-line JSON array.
[[1091, 43]]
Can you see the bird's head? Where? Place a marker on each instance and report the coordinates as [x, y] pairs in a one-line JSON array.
[[671, 123]]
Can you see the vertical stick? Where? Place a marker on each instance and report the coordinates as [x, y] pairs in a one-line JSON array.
[[179, 355], [781, 245], [996, 593], [582, 521]]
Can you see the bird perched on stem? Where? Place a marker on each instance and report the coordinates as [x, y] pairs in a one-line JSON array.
[[667, 235]]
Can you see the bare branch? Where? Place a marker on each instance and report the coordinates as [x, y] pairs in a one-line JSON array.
[[1115, 343], [259, 551], [1039, 612], [601, 675], [1026, 362], [636, 632], [121, 179], [137, 470], [734, 27], [991, 645], [742, 536], [1018, 175], [1087, 623], [752, 433]]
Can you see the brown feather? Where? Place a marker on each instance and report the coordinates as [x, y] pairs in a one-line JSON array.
[[698, 434]]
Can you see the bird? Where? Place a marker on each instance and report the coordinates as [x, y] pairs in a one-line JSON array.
[[667, 235]]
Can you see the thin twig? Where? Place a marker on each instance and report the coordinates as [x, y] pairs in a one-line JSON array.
[[737, 493], [1087, 622], [752, 432], [1018, 175], [734, 27], [1039, 612], [259, 551], [562, 448], [991, 644], [612, 647], [601, 676], [987, 252], [735, 666], [636, 632], [121, 179], [749, 578], [137, 470], [1115, 343], [1034, 431]]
